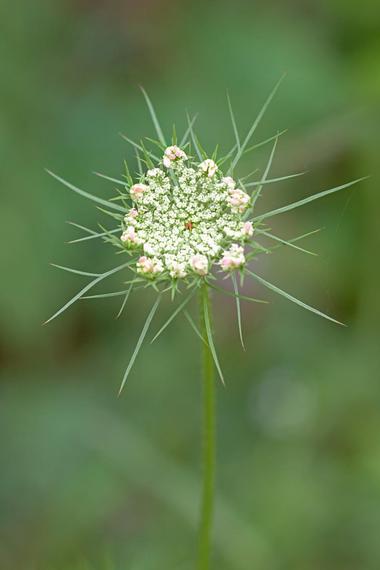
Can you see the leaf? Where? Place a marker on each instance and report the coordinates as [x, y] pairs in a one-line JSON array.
[[210, 339], [94, 235], [251, 148], [81, 227], [194, 327], [298, 238], [291, 298], [125, 300], [139, 342], [272, 180], [76, 271], [173, 315], [139, 147], [105, 295], [154, 117], [194, 139], [266, 141], [86, 194], [238, 311], [269, 164], [121, 182], [234, 126], [307, 200], [188, 130], [229, 293], [88, 287], [254, 126], [285, 242]]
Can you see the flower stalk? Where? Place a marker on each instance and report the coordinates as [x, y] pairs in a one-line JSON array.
[[208, 436]]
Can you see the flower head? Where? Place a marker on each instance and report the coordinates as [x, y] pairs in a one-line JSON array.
[[229, 182], [238, 200], [137, 191], [199, 264], [172, 154], [209, 167], [184, 223], [149, 265], [232, 258], [129, 236], [247, 229]]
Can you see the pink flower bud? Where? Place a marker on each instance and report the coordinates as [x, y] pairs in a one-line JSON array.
[[209, 167], [199, 264], [247, 229], [137, 191]]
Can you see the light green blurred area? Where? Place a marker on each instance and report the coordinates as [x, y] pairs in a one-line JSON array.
[[90, 481]]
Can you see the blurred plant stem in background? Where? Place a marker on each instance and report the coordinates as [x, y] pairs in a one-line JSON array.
[[208, 433]]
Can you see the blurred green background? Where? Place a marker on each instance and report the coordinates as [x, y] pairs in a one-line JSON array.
[[89, 481]]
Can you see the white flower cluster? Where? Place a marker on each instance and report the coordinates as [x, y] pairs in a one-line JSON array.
[[185, 218]]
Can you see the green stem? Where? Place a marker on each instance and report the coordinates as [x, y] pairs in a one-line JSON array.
[[208, 439]]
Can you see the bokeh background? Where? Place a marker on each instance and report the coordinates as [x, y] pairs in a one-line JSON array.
[[90, 481]]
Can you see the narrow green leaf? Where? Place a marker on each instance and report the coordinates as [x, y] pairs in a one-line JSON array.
[[95, 235], [188, 131], [154, 117], [266, 141], [88, 287], [117, 217], [272, 180], [82, 227], [128, 174], [255, 125], [238, 310], [233, 121], [210, 337], [193, 138], [125, 300], [156, 143], [105, 295], [139, 147], [298, 238], [140, 341], [86, 194], [121, 182], [194, 327], [291, 298], [230, 294], [251, 148], [139, 165], [76, 271], [174, 135], [173, 315], [285, 242], [266, 172], [294, 205]]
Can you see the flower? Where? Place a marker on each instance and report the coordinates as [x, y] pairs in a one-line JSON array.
[[130, 217], [199, 264], [149, 249], [247, 229], [171, 154], [184, 225], [232, 258], [129, 236], [209, 167], [177, 270], [153, 172], [229, 182], [137, 190], [149, 265], [238, 200]]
